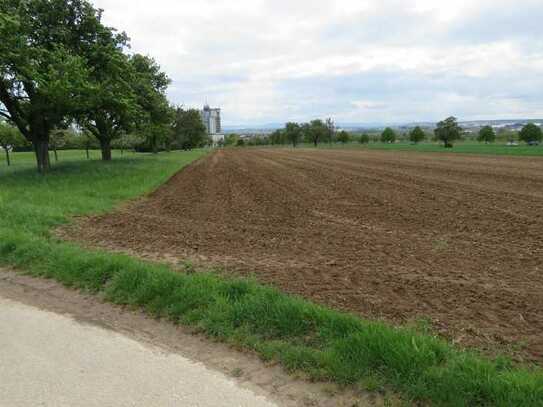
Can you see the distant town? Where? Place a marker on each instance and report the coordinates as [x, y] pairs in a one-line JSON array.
[[470, 126]]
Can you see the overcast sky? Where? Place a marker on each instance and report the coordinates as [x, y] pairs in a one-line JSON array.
[[354, 60]]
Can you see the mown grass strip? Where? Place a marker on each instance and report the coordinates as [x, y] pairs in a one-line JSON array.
[[302, 336]]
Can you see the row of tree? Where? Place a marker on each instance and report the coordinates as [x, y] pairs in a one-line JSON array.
[[447, 131], [61, 67], [316, 131], [319, 131]]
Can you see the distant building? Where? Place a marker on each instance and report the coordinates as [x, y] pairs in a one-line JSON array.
[[212, 120], [211, 117]]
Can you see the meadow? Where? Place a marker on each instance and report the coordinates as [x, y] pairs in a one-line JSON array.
[[323, 343], [462, 147]]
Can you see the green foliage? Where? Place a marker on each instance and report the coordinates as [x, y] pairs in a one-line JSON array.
[[343, 137], [316, 131], [448, 131], [112, 107], [364, 138], [417, 135], [331, 130], [278, 137], [9, 135], [127, 142], [10, 138], [293, 133], [530, 134], [58, 63], [388, 136], [150, 84], [486, 134], [231, 139], [45, 64], [189, 130]]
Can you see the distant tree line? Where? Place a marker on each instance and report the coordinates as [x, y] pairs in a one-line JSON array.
[[61, 68], [447, 132]]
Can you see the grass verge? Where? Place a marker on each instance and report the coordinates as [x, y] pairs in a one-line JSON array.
[[461, 147], [302, 336]]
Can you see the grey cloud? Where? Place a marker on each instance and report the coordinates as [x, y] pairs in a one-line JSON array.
[[272, 61]]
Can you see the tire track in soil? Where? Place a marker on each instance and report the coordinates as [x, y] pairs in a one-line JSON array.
[[387, 235]]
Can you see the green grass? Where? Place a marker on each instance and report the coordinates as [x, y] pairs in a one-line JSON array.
[[30, 202], [302, 336], [464, 147]]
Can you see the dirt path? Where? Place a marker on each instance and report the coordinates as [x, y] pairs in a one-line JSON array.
[[453, 238], [59, 347]]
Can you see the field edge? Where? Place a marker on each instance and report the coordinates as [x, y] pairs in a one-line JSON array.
[[300, 335]]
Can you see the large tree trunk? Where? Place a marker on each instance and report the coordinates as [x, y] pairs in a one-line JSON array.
[[105, 146], [87, 151], [41, 148], [55, 151], [7, 156]]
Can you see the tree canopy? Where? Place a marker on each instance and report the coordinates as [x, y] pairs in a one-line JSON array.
[[388, 136], [343, 137], [448, 131], [317, 131], [530, 134], [111, 106], [486, 134], [417, 135], [59, 63], [10, 137], [293, 133], [45, 62], [189, 130]]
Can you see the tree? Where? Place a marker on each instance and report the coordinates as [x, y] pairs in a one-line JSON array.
[[448, 131], [158, 130], [331, 130], [9, 138], [388, 136], [189, 130], [293, 133], [277, 137], [530, 134], [157, 116], [43, 66], [231, 139], [88, 141], [112, 107], [417, 135], [364, 138], [126, 142], [57, 140], [486, 134], [316, 131], [343, 137]]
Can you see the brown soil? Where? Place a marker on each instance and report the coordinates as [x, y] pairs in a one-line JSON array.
[[400, 236]]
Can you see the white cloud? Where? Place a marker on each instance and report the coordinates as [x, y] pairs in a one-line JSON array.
[[359, 60]]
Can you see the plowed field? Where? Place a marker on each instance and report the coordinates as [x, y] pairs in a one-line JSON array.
[[457, 239]]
